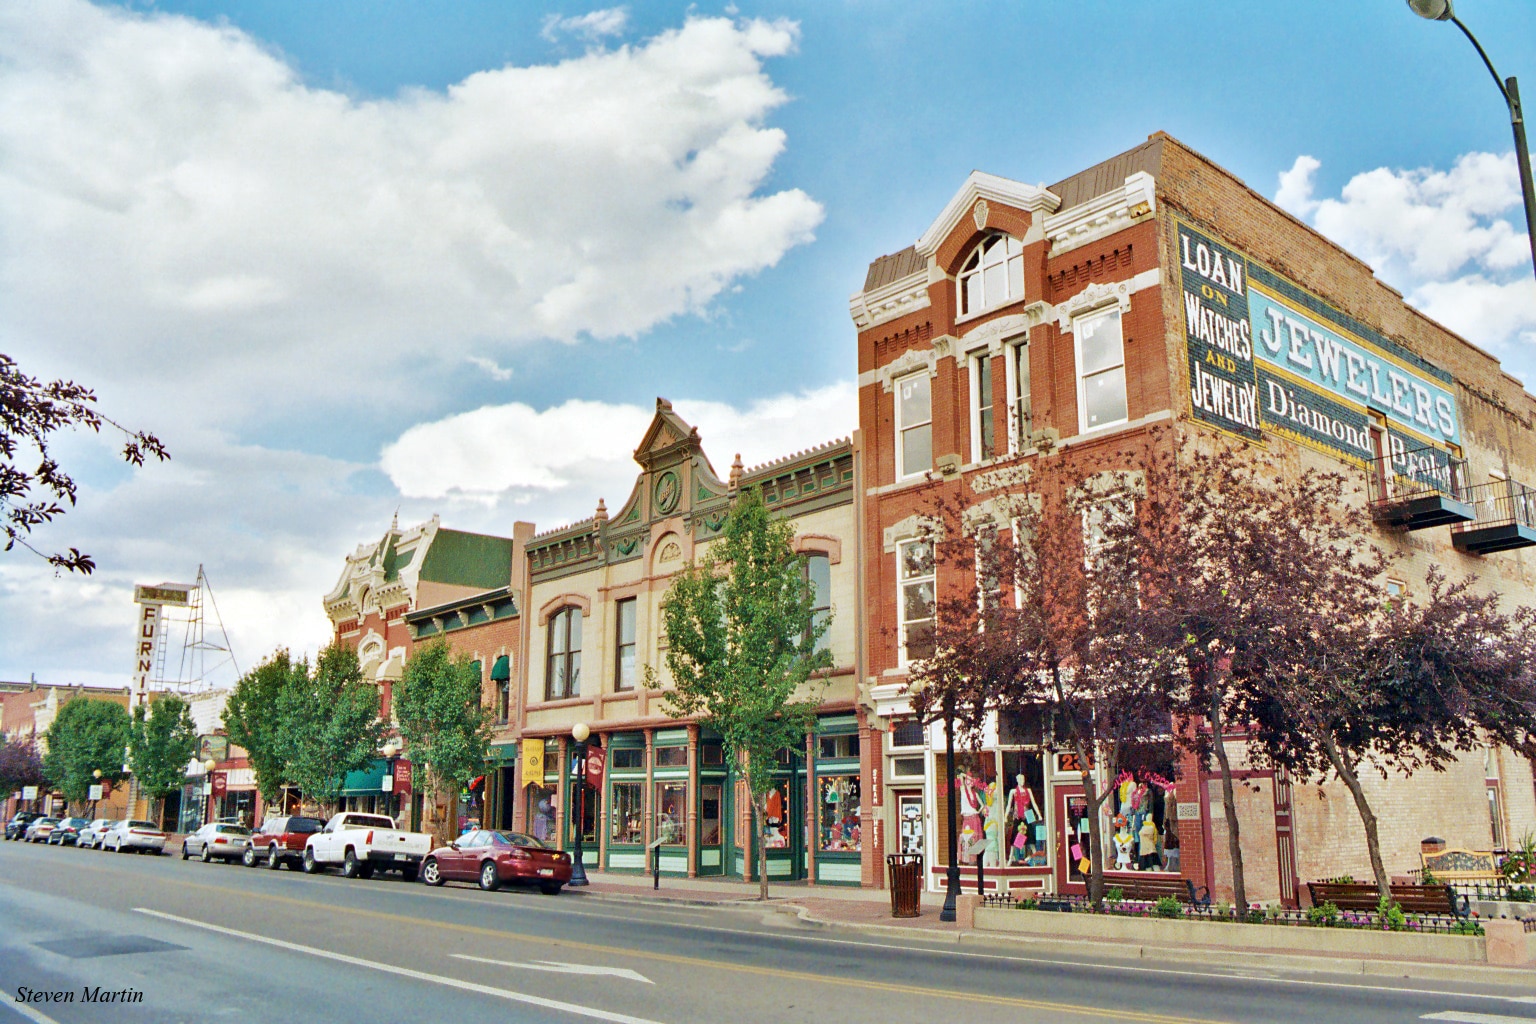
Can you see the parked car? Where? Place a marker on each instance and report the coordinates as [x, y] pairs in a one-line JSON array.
[[226, 842], [17, 826], [280, 840], [67, 831], [365, 843], [90, 836], [139, 836], [37, 832], [495, 858]]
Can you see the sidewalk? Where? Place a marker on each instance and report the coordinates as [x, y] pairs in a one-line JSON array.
[[868, 911]]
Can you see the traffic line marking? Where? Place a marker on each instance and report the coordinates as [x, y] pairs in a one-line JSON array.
[[35, 1016], [1475, 1018], [560, 967], [406, 972]]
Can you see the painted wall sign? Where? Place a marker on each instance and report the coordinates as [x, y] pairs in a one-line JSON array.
[[1266, 356]]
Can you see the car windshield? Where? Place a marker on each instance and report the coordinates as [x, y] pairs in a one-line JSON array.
[[367, 821], [305, 825], [143, 824], [519, 839], [234, 830], [48, 821]]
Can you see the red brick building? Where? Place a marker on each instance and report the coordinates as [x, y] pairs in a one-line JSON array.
[[1150, 290]]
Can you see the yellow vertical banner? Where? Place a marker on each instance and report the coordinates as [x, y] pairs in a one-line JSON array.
[[533, 762]]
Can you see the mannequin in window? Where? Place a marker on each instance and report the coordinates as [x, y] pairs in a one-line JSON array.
[[970, 795], [993, 827], [1023, 812]]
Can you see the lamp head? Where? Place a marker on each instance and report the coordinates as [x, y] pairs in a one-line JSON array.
[[209, 764], [96, 774], [1433, 10], [580, 731]]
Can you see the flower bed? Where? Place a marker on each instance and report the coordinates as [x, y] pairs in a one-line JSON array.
[[1327, 916]]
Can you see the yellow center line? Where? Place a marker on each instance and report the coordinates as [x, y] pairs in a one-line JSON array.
[[700, 962]]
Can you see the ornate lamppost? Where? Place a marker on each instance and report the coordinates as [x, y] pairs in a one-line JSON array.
[[579, 732]]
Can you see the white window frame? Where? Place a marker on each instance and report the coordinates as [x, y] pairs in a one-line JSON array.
[[1082, 379], [1013, 251], [1018, 436], [980, 452], [902, 582], [903, 427]]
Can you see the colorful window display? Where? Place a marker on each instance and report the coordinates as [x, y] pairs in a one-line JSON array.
[[1026, 841], [776, 817], [1143, 809], [838, 813], [627, 814], [979, 809], [541, 812]]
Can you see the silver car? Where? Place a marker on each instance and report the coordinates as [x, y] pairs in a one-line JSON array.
[[221, 840], [37, 832], [91, 835], [139, 836]]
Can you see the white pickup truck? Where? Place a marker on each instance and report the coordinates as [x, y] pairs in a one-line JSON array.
[[363, 844]]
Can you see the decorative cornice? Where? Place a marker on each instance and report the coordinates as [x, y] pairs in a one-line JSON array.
[[992, 333], [1100, 294], [980, 185], [1102, 215], [900, 297]]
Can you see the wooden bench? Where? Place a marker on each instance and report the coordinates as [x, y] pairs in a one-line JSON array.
[[1153, 887], [1413, 899], [1474, 867]]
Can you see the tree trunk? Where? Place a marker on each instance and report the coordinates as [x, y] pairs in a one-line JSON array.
[[1229, 805], [1095, 829], [759, 817], [1367, 816]]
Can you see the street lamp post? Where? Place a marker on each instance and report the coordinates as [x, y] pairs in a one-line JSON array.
[[952, 872], [579, 733], [1441, 10], [97, 776], [208, 767]]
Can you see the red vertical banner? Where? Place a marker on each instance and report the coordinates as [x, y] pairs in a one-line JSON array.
[[220, 783], [595, 763], [402, 776]]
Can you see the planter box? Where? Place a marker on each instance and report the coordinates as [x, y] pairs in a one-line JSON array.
[[1258, 938]]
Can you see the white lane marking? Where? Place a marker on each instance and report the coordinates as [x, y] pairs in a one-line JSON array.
[[560, 967], [1475, 1018], [1208, 975], [35, 1016], [405, 972]]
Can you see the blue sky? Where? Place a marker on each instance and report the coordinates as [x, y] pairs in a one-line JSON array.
[[349, 257]]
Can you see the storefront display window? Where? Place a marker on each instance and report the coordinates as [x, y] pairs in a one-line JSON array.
[[671, 757], [1078, 846], [541, 812], [1143, 809], [671, 813], [709, 815], [628, 817], [776, 820], [838, 746], [979, 808], [838, 811], [1024, 836]]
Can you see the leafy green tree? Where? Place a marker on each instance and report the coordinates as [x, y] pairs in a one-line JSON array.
[[86, 736], [253, 722], [20, 765], [742, 647], [164, 739], [437, 704], [330, 724]]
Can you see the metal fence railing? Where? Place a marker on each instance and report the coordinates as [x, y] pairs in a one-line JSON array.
[[1500, 503], [1403, 476]]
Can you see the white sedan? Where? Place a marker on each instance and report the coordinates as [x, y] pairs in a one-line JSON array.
[[226, 842], [141, 836], [91, 835]]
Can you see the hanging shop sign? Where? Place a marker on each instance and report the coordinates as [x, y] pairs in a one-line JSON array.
[[533, 761], [400, 777], [1267, 357], [220, 783]]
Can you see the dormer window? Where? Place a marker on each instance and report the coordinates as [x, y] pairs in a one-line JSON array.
[[993, 275]]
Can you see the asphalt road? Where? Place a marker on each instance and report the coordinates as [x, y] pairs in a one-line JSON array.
[[209, 943]]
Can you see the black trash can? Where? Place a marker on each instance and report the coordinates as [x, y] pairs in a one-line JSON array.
[[906, 873]]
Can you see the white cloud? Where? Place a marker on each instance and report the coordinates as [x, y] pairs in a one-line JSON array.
[[494, 369], [555, 463], [185, 215], [591, 26], [1450, 240]]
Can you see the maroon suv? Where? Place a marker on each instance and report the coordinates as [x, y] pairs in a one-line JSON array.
[[281, 841]]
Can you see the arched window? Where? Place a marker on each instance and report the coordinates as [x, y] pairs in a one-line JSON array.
[[993, 275], [562, 677]]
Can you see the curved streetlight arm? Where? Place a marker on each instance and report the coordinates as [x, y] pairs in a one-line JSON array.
[[1513, 102]]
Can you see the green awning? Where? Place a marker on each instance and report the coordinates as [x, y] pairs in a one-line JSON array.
[[502, 670], [369, 780], [502, 753]]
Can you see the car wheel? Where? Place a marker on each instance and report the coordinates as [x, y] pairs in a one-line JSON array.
[[430, 872], [350, 868], [311, 866], [273, 860], [184, 853], [550, 888], [248, 858], [488, 880], [207, 854]]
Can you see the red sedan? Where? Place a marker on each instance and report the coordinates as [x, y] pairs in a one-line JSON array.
[[494, 858]]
